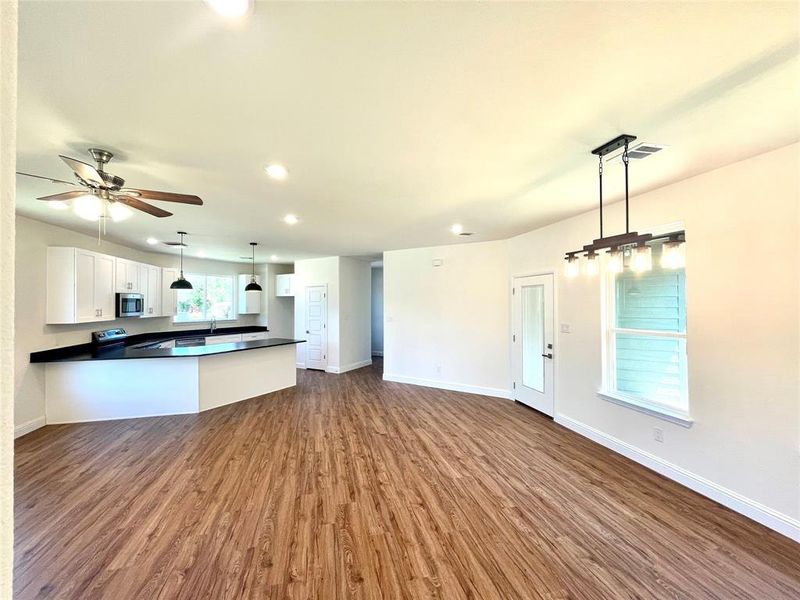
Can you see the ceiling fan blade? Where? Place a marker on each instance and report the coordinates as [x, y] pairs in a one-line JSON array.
[[143, 206], [165, 196], [64, 195], [50, 179], [83, 170]]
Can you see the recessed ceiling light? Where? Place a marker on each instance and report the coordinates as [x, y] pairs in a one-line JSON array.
[[273, 257], [230, 9], [276, 171], [58, 205], [457, 228], [201, 254], [290, 219], [152, 241]]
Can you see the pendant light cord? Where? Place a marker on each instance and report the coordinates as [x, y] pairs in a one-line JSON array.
[[181, 256], [627, 215]]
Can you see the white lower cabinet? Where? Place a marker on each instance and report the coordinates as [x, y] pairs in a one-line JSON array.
[[80, 286], [223, 339], [250, 337]]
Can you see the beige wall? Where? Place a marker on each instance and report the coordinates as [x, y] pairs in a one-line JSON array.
[[355, 312], [743, 326], [33, 334], [279, 316]]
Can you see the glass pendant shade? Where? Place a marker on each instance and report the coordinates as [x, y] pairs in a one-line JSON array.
[[181, 283], [672, 255], [88, 207], [572, 267], [614, 262], [592, 264], [118, 212], [642, 259]]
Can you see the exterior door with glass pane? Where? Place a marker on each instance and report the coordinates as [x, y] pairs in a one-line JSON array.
[[532, 342]]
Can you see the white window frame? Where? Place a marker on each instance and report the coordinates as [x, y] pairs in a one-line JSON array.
[[234, 280], [609, 390]]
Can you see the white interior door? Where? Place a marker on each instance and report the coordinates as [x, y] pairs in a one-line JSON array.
[[317, 327], [532, 342]]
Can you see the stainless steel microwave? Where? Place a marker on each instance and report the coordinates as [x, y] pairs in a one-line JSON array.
[[130, 305]]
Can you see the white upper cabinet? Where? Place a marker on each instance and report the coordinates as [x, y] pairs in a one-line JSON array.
[[151, 288], [169, 298], [249, 302], [129, 276], [80, 286], [284, 285]]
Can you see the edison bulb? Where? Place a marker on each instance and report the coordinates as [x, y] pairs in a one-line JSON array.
[[672, 255], [571, 268], [614, 263], [592, 264]]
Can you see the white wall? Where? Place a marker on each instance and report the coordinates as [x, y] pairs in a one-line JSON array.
[[279, 310], [317, 271], [32, 239], [447, 326], [743, 312], [355, 291], [377, 311]]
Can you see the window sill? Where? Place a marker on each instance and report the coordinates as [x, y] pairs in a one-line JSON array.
[[204, 322], [673, 415]]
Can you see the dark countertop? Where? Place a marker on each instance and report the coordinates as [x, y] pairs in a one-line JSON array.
[[83, 352]]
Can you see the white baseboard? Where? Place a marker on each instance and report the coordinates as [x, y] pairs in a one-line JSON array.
[[350, 367], [31, 425], [448, 385], [300, 365], [777, 521]]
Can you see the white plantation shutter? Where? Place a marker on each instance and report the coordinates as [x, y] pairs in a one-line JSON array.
[[647, 336]]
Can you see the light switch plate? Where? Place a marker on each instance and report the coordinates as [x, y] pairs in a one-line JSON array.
[[438, 262], [566, 328]]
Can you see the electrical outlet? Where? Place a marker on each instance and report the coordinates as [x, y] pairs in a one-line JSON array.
[[658, 434]]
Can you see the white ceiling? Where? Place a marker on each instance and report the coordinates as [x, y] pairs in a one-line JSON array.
[[395, 119]]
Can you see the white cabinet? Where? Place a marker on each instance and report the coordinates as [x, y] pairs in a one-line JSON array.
[[151, 288], [129, 276], [284, 285], [249, 302], [250, 337], [80, 286], [169, 297], [223, 339]]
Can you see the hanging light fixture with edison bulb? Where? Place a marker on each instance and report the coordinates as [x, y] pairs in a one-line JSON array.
[[181, 283], [631, 243], [253, 285]]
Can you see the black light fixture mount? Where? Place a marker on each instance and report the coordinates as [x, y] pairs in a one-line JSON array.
[[253, 285], [615, 245], [181, 283]]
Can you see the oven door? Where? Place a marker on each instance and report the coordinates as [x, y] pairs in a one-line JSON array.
[[130, 305]]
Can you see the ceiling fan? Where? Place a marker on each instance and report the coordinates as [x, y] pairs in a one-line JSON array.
[[103, 195]]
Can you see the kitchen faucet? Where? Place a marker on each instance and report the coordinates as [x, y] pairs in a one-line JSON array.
[[213, 324]]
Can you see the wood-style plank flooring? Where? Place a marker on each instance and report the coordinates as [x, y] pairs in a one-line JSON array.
[[350, 487]]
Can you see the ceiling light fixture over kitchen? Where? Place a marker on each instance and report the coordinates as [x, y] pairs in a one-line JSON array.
[[631, 244], [152, 241], [273, 257], [290, 219], [457, 228], [253, 286], [230, 9], [276, 171], [181, 283]]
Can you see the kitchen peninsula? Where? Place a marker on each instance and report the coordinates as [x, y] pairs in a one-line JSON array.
[[167, 373]]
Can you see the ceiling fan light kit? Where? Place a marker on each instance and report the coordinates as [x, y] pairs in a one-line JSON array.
[[253, 285], [630, 244], [181, 283]]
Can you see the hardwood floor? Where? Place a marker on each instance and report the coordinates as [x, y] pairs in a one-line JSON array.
[[351, 487]]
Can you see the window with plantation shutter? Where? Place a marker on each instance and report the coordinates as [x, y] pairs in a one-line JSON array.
[[645, 357]]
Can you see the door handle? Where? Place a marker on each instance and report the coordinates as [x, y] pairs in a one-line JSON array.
[[307, 331], [548, 355]]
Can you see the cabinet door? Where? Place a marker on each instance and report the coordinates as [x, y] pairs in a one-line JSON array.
[[104, 297], [152, 293], [122, 277], [86, 310]]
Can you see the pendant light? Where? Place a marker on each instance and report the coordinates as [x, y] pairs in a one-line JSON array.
[[630, 243], [181, 283], [253, 286]]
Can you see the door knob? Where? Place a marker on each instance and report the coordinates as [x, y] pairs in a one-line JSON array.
[[548, 355], [307, 331]]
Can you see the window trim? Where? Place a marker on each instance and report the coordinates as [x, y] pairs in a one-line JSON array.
[[234, 303], [608, 389]]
